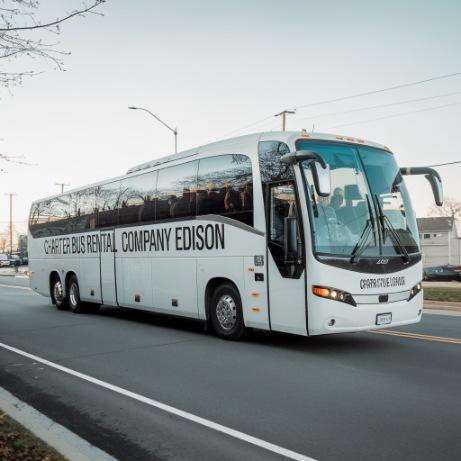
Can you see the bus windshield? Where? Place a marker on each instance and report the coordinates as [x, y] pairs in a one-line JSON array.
[[368, 212]]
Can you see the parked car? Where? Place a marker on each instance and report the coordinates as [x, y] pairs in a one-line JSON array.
[[4, 261], [14, 260], [439, 273]]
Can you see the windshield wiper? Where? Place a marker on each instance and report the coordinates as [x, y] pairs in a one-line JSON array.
[[385, 220], [362, 243], [363, 240]]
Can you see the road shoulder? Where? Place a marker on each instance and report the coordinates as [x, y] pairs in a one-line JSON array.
[[61, 439]]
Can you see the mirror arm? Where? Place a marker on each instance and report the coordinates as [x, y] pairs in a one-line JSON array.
[[431, 175], [301, 155], [415, 170]]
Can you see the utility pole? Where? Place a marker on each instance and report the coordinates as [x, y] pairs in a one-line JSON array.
[[11, 221], [62, 185], [283, 114]]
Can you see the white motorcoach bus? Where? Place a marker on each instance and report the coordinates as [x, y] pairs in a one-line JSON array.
[[285, 231]]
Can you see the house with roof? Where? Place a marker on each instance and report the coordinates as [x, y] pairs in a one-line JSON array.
[[439, 239]]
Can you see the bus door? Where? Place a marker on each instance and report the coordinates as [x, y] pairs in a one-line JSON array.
[[286, 281], [108, 280]]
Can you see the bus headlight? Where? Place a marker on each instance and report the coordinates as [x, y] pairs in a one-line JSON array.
[[415, 290], [334, 294]]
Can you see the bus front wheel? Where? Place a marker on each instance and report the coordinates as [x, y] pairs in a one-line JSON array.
[[226, 313], [57, 294]]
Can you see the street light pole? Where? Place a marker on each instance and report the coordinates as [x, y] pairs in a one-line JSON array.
[[175, 131]]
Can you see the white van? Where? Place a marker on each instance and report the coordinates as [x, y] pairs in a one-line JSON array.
[[4, 261]]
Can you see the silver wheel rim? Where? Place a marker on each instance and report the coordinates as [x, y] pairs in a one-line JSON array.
[[57, 292], [226, 312], [73, 294]]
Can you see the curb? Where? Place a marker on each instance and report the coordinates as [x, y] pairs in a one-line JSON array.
[[442, 305], [61, 439]]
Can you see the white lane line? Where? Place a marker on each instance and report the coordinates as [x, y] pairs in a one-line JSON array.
[[183, 414]]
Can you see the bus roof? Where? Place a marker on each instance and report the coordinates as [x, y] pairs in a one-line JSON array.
[[284, 136], [289, 137]]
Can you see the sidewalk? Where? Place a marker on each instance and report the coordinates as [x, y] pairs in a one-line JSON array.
[[14, 271], [442, 308]]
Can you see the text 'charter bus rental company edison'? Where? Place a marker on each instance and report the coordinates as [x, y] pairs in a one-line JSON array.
[[293, 232]]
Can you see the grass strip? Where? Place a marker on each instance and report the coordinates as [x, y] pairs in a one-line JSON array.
[[19, 444], [442, 294]]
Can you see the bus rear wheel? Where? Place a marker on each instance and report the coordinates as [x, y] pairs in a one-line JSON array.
[[73, 295], [226, 313], [57, 294]]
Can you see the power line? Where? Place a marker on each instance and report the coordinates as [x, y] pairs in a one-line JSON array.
[[379, 91], [444, 164], [392, 116], [377, 107], [351, 97], [245, 127]]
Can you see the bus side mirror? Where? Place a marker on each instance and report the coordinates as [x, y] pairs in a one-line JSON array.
[[320, 168], [292, 252], [432, 176], [437, 189]]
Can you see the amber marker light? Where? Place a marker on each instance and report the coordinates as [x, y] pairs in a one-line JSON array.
[[319, 291], [334, 294]]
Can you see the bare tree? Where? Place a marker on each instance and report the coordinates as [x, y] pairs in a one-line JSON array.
[[3, 240], [7, 158], [18, 29], [451, 208]]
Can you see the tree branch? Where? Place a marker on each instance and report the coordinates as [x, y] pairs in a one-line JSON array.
[[58, 21]]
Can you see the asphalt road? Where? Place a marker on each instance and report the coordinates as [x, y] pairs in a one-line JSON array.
[[355, 396]]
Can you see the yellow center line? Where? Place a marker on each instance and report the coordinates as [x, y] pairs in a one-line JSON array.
[[417, 336], [14, 286]]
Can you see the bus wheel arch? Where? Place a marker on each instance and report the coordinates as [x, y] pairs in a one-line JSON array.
[[57, 292], [224, 309]]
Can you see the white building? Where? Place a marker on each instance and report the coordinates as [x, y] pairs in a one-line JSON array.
[[440, 243]]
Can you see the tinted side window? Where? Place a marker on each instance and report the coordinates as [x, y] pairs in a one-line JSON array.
[[108, 203], [39, 218], [59, 208], [137, 198], [177, 191], [226, 187], [272, 169], [87, 211]]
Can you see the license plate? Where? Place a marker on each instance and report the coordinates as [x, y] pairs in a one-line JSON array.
[[384, 319]]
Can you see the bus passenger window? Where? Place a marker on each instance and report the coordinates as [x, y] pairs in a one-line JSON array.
[[229, 180]]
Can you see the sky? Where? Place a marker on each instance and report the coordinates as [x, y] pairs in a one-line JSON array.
[[215, 69]]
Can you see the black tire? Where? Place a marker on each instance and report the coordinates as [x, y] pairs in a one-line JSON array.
[[57, 295], [73, 296], [226, 313]]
